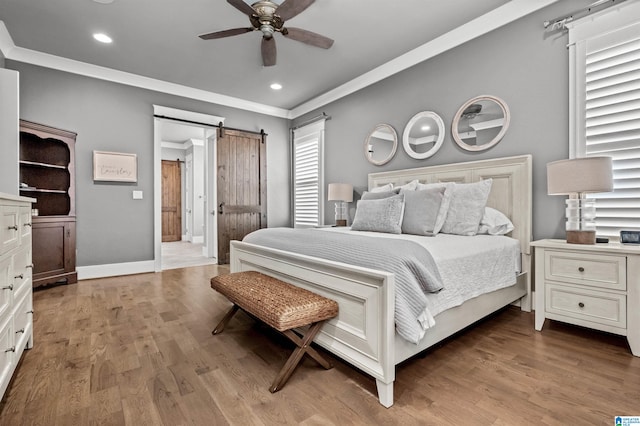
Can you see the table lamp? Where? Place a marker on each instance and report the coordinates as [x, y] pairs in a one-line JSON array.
[[577, 177], [341, 193]]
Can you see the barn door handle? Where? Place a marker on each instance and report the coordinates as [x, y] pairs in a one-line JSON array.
[[221, 208]]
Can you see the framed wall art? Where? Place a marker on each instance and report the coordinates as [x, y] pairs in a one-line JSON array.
[[115, 167]]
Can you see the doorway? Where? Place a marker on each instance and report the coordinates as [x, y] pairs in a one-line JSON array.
[[182, 137]]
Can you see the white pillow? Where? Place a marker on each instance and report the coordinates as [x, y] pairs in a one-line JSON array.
[[384, 215], [421, 211], [444, 205], [371, 195], [383, 188], [467, 207], [411, 186], [494, 222]]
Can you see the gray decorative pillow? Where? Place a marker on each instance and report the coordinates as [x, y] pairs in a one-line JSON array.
[[467, 207], [421, 210], [384, 215], [446, 200], [379, 194]]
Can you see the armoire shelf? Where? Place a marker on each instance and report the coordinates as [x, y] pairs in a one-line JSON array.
[[47, 173]]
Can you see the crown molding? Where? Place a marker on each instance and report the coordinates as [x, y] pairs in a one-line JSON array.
[[19, 54], [503, 15], [6, 42], [484, 24]]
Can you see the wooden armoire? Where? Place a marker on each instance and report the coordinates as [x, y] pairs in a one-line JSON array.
[[47, 173]]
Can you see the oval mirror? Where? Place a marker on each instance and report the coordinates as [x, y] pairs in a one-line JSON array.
[[381, 144], [480, 123], [423, 135]]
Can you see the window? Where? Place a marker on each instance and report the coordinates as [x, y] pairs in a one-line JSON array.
[[308, 182], [605, 113]]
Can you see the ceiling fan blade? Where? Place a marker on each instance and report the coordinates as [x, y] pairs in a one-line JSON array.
[[268, 51], [307, 37], [242, 7], [291, 8], [225, 33]]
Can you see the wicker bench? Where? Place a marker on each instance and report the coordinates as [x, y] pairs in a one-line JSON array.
[[280, 305]]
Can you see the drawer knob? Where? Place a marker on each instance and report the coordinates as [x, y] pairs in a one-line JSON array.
[[20, 331], [9, 287], [11, 349], [27, 224], [14, 227], [29, 265], [19, 277], [581, 304], [581, 269]]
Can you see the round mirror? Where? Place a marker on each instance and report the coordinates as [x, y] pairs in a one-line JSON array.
[[480, 123], [381, 144], [423, 135]]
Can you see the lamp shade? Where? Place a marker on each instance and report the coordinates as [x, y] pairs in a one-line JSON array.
[[579, 175], [340, 192]]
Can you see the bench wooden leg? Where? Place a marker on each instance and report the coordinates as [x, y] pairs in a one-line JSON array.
[[221, 325], [303, 347]]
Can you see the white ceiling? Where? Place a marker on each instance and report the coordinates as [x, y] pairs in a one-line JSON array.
[[158, 39]]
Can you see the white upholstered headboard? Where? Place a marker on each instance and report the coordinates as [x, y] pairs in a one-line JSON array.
[[510, 192]]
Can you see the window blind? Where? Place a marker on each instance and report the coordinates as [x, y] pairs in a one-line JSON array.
[[307, 175], [612, 127]]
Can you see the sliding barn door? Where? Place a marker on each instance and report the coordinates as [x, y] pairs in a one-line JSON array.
[[241, 187], [171, 203]]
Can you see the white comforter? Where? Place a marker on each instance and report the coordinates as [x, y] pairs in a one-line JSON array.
[[469, 266]]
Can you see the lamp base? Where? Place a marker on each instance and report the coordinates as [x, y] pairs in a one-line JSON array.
[[341, 222], [581, 237]]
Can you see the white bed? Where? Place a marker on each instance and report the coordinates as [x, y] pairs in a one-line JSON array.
[[364, 334]]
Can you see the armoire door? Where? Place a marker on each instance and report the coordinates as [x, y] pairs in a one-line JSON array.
[[171, 201], [241, 187]]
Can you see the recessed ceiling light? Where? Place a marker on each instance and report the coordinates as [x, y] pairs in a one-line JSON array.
[[425, 128], [276, 86], [104, 1], [102, 38]]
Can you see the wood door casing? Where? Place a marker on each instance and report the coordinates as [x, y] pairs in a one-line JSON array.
[[241, 187], [171, 201]]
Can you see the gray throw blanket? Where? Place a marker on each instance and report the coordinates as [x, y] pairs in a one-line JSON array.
[[413, 266]]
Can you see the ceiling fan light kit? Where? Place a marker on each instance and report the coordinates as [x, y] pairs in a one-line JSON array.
[[269, 18]]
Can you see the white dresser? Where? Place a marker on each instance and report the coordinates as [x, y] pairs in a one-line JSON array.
[[595, 286], [16, 311]]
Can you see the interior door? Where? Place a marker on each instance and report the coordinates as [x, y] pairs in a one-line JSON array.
[[241, 186], [171, 204]]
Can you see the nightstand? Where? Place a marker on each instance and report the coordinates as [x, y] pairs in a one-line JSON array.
[[595, 286]]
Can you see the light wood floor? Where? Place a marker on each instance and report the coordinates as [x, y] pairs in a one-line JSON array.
[[183, 254], [138, 350]]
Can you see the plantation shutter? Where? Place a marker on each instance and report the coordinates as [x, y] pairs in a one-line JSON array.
[[308, 181], [608, 69]]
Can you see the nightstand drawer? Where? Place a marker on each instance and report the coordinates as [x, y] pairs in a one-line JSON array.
[[597, 270], [588, 305]]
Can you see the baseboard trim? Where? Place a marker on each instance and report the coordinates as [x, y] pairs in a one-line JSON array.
[[115, 269], [197, 239]]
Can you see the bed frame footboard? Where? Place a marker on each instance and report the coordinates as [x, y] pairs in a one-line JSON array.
[[363, 332]]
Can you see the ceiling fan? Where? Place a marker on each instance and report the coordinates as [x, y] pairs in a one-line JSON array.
[[268, 17]]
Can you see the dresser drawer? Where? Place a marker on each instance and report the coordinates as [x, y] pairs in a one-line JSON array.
[[24, 224], [6, 354], [23, 322], [596, 270], [581, 303], [6, 280], [9, 228]]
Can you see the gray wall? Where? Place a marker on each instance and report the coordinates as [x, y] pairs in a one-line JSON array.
[[9, 100], [112, 227], [516, 63]]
